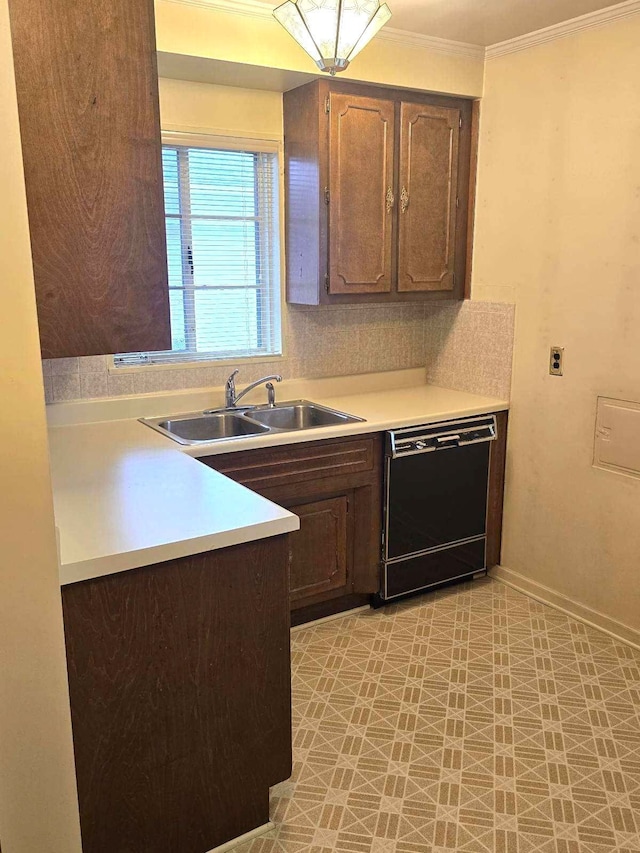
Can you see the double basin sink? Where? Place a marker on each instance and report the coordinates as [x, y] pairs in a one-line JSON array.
[[248, 421]]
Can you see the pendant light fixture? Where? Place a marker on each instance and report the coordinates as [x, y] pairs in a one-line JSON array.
[[332, 31]]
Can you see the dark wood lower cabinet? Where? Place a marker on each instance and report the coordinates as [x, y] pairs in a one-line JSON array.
[[319, 561], [179, 676], [335, 487], [497, 463]]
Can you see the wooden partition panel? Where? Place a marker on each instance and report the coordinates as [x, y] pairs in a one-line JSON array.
[[90, 124], [179, 676]]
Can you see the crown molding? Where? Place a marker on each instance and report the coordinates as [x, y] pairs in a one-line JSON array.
[[257, 9], [557, 31], [246, 8], [454, 48]]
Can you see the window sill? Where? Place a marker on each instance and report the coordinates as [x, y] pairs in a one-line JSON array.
[[190, 365]]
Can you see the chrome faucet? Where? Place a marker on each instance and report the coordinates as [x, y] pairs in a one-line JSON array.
[[231, 398]]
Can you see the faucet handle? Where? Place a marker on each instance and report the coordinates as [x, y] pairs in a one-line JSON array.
[[271, 393]]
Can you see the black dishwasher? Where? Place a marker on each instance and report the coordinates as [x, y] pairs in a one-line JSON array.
[[436, 482]]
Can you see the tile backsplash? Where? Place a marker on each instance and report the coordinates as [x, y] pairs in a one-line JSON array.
[[463, 345], [469, 346]]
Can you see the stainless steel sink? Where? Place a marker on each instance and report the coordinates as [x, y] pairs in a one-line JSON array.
[[198, 428], [190, 430], [299, 415]]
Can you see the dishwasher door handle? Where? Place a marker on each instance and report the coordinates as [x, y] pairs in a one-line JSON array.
[[441, 439]]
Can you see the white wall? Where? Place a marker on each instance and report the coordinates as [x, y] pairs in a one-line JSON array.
[[38, 806], [558, 231], [220, 109]]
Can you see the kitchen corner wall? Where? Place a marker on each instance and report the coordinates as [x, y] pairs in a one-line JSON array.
[[38, 799], [558, 224]]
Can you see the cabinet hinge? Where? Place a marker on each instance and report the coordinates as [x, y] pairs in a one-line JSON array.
[[326, 195], [460, 122], [326, 282], [327, 105], [457, 202]]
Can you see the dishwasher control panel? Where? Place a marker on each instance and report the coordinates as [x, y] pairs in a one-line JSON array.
[[424, 439]]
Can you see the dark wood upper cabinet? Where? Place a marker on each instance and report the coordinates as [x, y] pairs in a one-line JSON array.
[[360, 191], [429, 144], [89, 117], [377, 194]]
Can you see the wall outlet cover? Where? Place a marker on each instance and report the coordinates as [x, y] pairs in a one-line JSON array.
[[556, 357]]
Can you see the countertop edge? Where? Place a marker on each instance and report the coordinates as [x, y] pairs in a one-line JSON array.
[[111, 564]]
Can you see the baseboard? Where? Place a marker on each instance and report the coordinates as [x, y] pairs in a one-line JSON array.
[[247, 836], [546, 595], [330, 618]]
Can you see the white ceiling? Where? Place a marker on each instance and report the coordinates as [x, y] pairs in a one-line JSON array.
[[483, 22]]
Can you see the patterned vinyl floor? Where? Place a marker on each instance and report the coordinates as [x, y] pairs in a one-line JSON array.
[[470, 719]]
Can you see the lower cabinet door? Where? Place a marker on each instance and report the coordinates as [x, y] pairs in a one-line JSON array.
[[319, 553]]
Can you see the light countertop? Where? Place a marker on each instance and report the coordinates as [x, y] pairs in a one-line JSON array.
[[126, 496], [124, 499]]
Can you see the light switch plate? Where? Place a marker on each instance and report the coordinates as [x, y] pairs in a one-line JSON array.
[[556, 357]]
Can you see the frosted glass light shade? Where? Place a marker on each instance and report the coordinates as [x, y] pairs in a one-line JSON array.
[[332, 31]]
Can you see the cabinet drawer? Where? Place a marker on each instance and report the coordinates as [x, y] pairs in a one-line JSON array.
[[299, 463]]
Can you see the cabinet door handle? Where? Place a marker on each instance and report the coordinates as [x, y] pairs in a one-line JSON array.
[[390, 200], [404, 200]]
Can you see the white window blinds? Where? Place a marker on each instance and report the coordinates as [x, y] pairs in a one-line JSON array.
[[221, 208]]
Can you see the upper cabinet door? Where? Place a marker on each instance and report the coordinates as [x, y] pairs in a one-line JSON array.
[[361, 149], [428, 189], [89, 117]]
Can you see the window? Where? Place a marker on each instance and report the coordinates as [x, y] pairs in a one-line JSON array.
[[221, 209]]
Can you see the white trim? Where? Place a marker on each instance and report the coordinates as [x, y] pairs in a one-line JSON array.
[[598, 18], [256, 9], [333, 616], [246, 8], [224, 133], [594, 618], [227, 141], [247, 836], [448, 46], [119, 370]]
